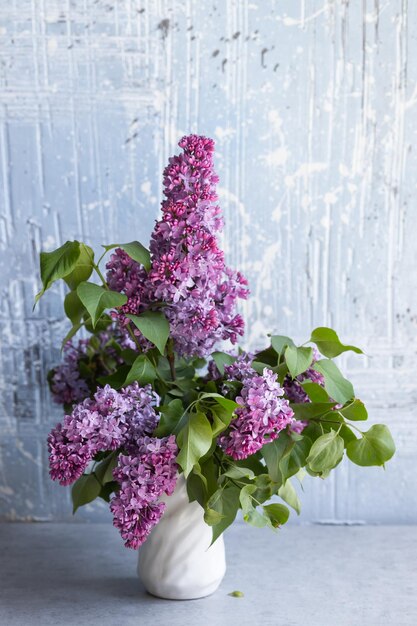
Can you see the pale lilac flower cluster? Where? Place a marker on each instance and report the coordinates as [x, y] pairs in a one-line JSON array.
[[107, 421], [262, 413], [188, 273], [144, 476], [295, 391]]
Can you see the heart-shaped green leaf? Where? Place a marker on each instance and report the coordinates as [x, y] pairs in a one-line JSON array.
[[329, 343], [154, 326], [96, 299], [376, 447]]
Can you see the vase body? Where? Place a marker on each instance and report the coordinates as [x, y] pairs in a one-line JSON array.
[[176, 561]]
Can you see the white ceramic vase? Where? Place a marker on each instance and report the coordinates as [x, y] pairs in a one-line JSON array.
[[176, 561]]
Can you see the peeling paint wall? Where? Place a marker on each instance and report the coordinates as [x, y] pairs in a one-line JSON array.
[[313, 107]]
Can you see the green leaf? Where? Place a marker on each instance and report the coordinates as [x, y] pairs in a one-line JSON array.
[[104, 470], [226, 403], [238, 472], [83, 267], [335, 384], [102, 323], [84, 490], [326, 452], [273, 453], [108, 489], [267, 356], [355, 411], [70, 334], [289, 495], [170, 416], [221, 359], [226, 502], [278, 514], [310, 410], [250, 514], [280, 342], [57, 264], [347, 434], [315, 392], [329, 343], [194, 440], [298, 360], [117, 379], [212, 517], [202, 482], [294, 457], [96, 299], [73, 307], [236, 594], [154, 326], [264, 487], [142, 370], [136, 251], [376, 447], [221, 419]]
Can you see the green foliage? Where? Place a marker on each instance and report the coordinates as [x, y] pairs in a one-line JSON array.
[[74, 308], [85, 490], [315, 392], [335, 384], [142, 370], [280, 342], [294, 457], [326, 452], [135, 250], [221, 359], [82, 269], [354, 411], [235, 471], [376, 447], [289, 495], [226, 502], [311, 410], [284, 456], [170, 416], [236, 594], [103, 471], [96, 299], [154, 326], [329, 343], [58, 264], [197, 410], [194, 440], [277, 514], [298, 360], [273, 453]]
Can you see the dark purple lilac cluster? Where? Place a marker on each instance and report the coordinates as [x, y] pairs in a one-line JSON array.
[[188, 272], [262, 413]]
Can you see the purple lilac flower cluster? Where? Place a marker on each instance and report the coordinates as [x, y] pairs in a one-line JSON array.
[[262, 413], [293, 388], [188, 272], [105, 422], [144, 476]]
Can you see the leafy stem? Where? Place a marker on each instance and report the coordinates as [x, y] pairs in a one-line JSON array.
[[100, 275]]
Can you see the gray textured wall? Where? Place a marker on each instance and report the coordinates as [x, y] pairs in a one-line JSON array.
[[313, 108]]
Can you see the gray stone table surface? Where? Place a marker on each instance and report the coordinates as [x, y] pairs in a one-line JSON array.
[[52, 574]]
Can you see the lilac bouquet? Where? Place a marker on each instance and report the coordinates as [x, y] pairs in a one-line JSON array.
[[149, 397]]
